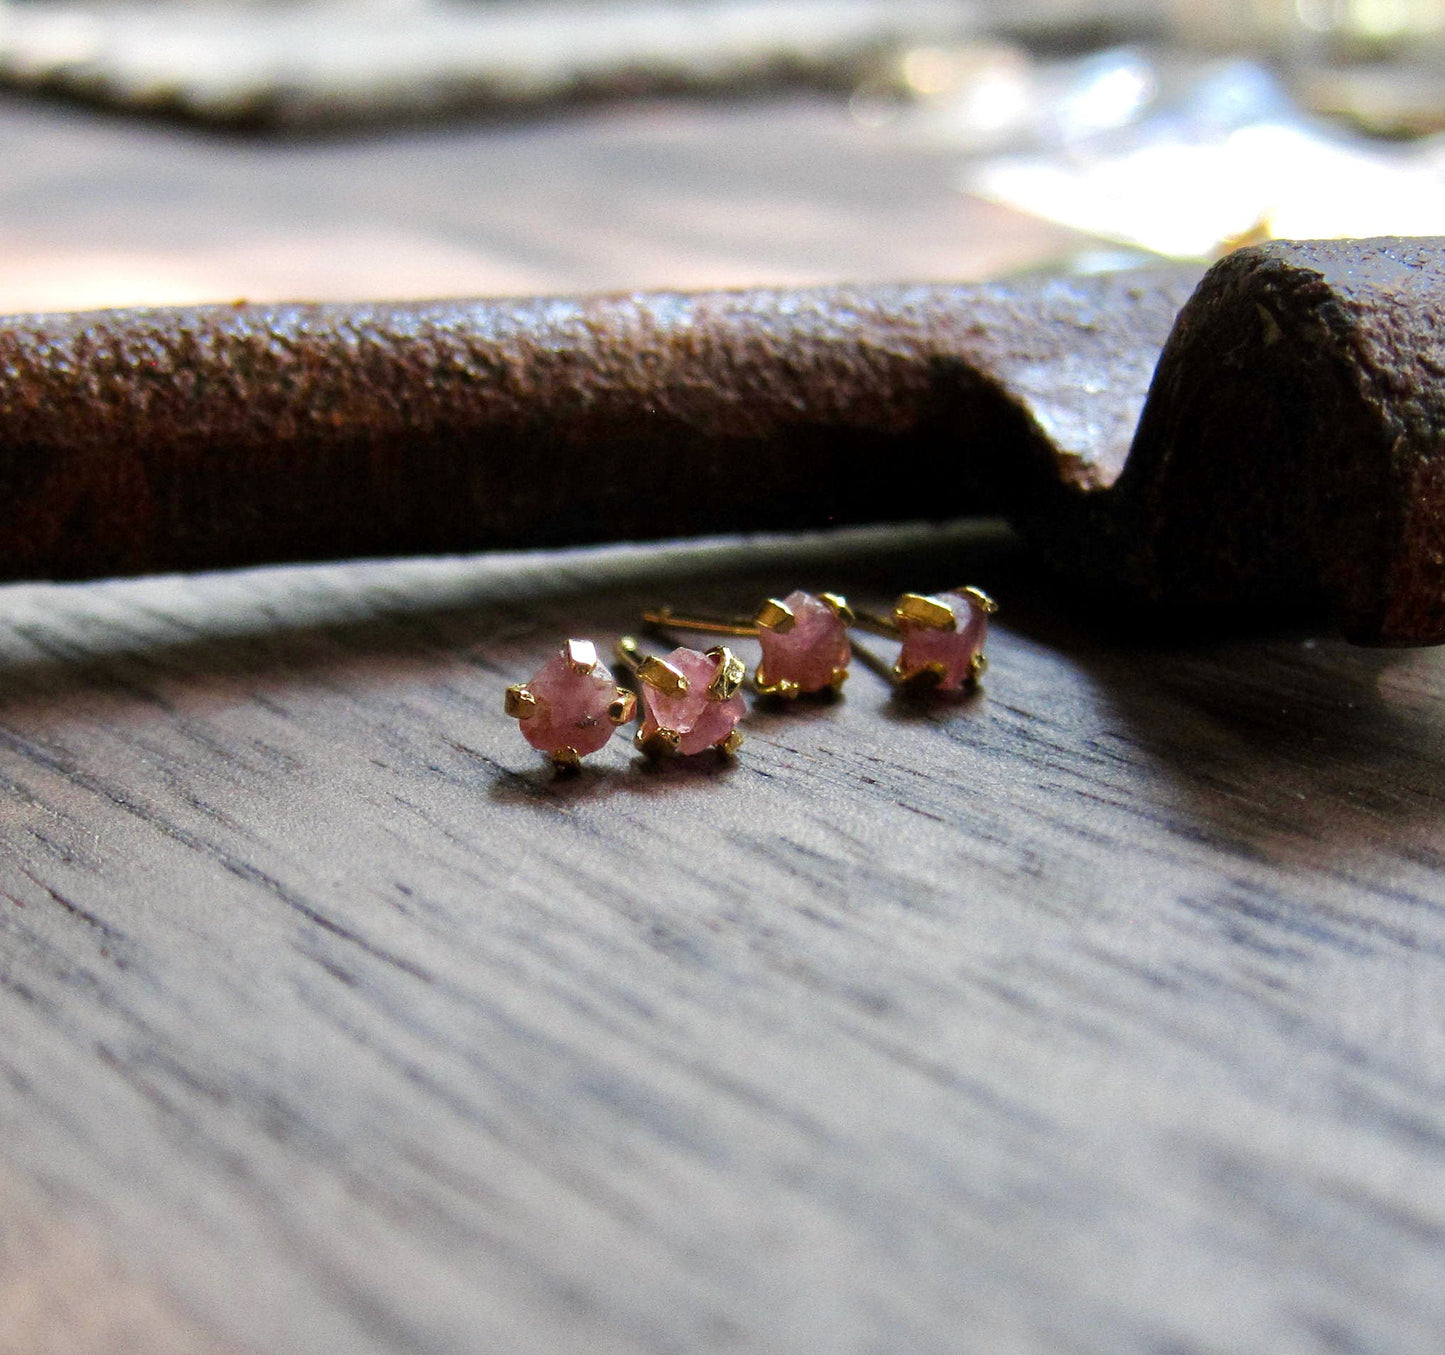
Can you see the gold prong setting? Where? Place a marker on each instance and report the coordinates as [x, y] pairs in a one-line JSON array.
[[520, 704], [979, 598], [927, 613], [943, 637], [566, 759], [662, 676], [690, 701], [658, 742], [570, 706], [801, 657], [775, 617], [926, 678], [804, 639], [731, 671], [783, 688], [581, 655]]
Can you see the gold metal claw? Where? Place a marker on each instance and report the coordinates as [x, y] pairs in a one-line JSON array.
[[660, 743], [657, 673], [920, 679], [775, 616], [731, 671], [918, 610], [566, 759], [838, 605], [520, 704], [622, 707], [581, 655], [731, 744], [979, 598], [661, 676], [783, 687]]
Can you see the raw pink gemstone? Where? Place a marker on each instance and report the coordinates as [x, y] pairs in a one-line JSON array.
[[952, 651], [701, 722], [571, 707], [811, 651]]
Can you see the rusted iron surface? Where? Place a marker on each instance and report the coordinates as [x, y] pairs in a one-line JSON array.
[[1288, 459], [1293, 446], [138, 441]]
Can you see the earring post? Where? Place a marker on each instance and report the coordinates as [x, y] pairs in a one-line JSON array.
[[710, 625], [880, 666], [628, 653], [875, 624]]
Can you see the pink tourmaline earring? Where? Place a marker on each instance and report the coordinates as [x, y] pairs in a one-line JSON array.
[[690, 701], [943, 636], [804, 639], [571, 705]]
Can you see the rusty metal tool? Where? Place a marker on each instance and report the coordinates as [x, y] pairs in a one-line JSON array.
[[1289, 455]]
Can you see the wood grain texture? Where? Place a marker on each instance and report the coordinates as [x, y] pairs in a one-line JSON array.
[[1103, 1014], [303, 66], [104, 212]]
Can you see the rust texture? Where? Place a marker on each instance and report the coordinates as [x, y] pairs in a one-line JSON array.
[[137, 441], [1288, 454], [1293, 444]]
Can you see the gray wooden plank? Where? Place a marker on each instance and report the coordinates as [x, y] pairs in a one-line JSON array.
[[101, 212], [1102, 1014]]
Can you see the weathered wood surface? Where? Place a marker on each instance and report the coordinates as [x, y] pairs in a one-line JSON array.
[[306, 65], [1106, 1014], [1103, 1013], [101, 212]]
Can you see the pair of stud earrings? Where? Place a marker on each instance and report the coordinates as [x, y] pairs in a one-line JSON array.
[[692, 701]]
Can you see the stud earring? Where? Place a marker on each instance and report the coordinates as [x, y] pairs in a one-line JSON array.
[[571, 705], [943, 636], [690, 701], [804, 639]]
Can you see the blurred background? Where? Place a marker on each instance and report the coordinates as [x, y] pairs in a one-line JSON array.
[[215, 150]]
